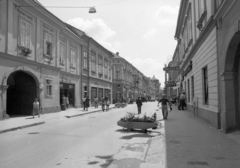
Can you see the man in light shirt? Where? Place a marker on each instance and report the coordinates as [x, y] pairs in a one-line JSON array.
[[35, 108]]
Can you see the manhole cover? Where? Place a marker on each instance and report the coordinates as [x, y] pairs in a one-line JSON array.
[[33, 133], [198, 163]]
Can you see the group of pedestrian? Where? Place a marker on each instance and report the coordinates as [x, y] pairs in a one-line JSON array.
[[65, 102], [105, 103], [182, 101], [86, 102]]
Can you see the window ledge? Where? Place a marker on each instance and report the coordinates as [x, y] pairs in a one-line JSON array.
[[24, 50], [62, 63], [48, 56], [72, 67]]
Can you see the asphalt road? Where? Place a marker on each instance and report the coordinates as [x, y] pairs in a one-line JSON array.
[[86, 141]]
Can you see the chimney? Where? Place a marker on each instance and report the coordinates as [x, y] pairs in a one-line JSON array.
[[117, 53]]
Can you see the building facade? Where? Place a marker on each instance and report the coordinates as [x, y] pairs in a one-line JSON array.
[[39, 58], [227, 19], [197, 55]]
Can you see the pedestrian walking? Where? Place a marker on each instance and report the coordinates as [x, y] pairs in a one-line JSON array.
[[103, 103], [87, 103], [67, 101], [63, 102], [164, 102], [96, 102], [182, 101], [84, 103], [107, 104], [139, 105], [35, 108]]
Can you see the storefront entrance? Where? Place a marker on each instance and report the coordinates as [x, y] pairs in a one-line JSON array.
[[67, 90], [21, 92], [93, 94], [100, 94]]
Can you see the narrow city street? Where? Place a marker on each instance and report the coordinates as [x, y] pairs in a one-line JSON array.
[[96, 141], [85, 141]]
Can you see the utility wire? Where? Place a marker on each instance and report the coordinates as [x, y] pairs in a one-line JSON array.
[[74, 6]]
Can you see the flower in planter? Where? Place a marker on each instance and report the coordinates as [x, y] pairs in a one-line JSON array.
[[132, 117]]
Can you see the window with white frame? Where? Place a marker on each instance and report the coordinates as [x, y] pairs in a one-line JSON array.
[[25, 33], [109, 69], [61, 53], [48, 42], [85, 66], [189, 25], [100, 62], [93, 61], [48, 87], [106, 67], [72, 57]]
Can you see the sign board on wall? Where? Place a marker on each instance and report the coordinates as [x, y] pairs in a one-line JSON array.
[[171, 68]]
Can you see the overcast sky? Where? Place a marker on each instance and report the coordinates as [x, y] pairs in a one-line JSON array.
[[142, 31]]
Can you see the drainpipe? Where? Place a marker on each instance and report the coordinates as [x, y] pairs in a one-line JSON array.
[[6, 33], [88, 89]]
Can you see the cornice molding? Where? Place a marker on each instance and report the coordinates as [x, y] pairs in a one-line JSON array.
[[27, 61], [181, 17]]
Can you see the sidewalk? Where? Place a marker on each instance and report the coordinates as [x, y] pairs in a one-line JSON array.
[[28, 121], [187, 141]]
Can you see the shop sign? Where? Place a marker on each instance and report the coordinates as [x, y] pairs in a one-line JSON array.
[[188, 69], [171, 68], [170, 85]]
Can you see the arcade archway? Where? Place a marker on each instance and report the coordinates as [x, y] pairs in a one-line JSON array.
[[21, 92]]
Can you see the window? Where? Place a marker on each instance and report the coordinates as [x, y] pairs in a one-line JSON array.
[[189, 23], [25, 34], [185, 89], [72, 57], [109, 69], [118, 74], [188, 94], [205, 85], [192, 81], [61, 53], [106, 67], [93, 55], [48, 42], [49, 87], [85, 60], [100, 64]]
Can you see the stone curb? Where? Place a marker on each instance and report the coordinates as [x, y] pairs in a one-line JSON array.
[[21, 127], [77, 115], [43, 122]]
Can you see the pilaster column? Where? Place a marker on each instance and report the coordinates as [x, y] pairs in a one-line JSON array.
[[4, 101], [228, 101]]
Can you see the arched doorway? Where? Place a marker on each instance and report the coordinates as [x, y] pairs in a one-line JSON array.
[[230, 83], [21, 92]]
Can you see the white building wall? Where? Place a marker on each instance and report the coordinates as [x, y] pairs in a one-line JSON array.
[[206, 56]]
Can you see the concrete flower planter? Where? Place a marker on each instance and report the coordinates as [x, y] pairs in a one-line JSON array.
[[137, 125], [118, 105]]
